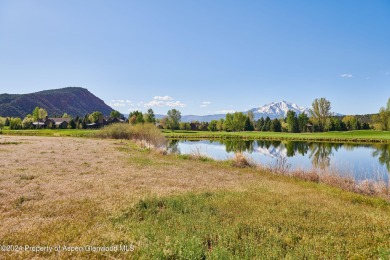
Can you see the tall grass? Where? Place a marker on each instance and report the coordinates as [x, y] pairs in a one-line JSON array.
[[147, 135]]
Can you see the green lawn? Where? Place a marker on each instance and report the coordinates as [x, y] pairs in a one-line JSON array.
[[53, 132], [361, 136], [350, 136]]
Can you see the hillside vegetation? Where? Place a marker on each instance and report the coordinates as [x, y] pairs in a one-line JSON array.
[[72, 100]]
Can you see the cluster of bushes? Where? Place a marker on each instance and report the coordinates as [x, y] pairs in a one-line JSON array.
[[147, 134]]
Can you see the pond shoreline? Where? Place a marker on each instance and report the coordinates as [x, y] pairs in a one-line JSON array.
[[365, 136]]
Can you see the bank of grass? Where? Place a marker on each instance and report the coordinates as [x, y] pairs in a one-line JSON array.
[[255, 224], [359, 136], [170, 208], [53, 132]]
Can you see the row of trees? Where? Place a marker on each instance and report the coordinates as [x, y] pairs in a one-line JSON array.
[[320, 119], [39, 114]]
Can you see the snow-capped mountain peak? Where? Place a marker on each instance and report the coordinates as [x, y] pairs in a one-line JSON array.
[[278, 109]]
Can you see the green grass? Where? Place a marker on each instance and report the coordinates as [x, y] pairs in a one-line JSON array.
[[360, 136], [53, 132], [370, 136], [255, 224]]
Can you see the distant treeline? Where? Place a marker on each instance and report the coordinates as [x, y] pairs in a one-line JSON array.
[[320, 119]]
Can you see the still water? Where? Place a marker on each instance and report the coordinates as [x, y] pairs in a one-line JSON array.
[[360, 161]]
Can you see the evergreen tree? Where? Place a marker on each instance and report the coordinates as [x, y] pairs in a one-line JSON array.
[[303, 120], [248, 124], [267, 124], [260, 124], [276, 126]]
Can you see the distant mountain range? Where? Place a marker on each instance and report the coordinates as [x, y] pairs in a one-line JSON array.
[[272, 110], [278, 110], [71, 100]]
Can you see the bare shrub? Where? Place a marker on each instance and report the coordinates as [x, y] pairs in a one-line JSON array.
[[312, 175], [147, 135], [281, 166], [242, 161], [116, 131]]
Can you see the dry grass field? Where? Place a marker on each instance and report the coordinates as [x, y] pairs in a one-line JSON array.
[[61, 191]]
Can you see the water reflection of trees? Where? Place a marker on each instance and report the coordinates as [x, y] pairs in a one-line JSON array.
[[173, 146], [319, 153], [238, 146], [383, 154]]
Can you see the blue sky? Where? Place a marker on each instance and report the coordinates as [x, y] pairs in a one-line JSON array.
[[201, 57]]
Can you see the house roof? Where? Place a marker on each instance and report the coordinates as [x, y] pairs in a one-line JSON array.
[[59, 120]]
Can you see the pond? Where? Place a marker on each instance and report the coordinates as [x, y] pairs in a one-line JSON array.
[[360, 161]]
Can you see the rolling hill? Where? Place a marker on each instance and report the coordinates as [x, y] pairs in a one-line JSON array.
[[71, 100]]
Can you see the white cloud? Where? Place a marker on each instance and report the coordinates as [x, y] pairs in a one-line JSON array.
[[346, 75], [225, 111], [205, 104], [165, 98], [158, 102], [134, 109], [175, 104], [117, 104], [154, 103]]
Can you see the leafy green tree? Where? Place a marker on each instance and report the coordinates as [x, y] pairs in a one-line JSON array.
[[15, 123], [2, 122], [220, 124], [149, 117], [136, 117], [239, 121], [303, 120], [276, 126], [184, 126], [213, 125], [27, 122], [35, 113], [65, 115], [174, 117], [320, 112], [203, 126], [382, 119], [42, 113], [39, 113], [292, 122], [95, 117], [229, 122], [115, 114]]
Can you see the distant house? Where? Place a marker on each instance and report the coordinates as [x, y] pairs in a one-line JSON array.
[[40, 124], [54, 121], [93, 125], [60, 122], [113, 120]]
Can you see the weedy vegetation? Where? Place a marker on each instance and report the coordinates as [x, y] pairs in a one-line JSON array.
[[105, 192]]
